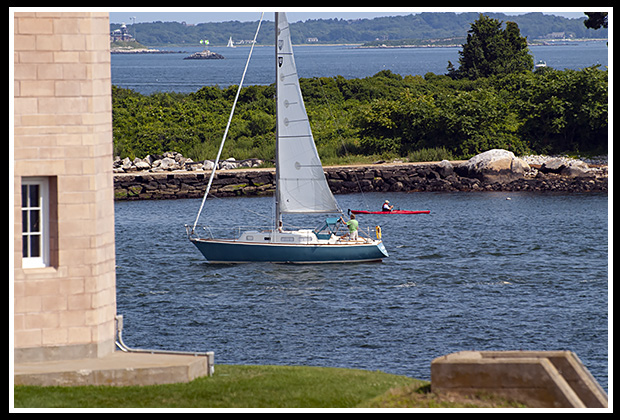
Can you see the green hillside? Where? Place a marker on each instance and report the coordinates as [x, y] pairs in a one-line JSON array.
[[326, 31]]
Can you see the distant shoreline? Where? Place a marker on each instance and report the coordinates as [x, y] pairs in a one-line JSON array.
[[538, 42], [145, 51]]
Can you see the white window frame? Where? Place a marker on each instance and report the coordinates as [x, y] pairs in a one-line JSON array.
[[43, 206]]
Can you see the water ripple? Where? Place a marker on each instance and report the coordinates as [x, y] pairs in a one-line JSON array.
[[479, 272]]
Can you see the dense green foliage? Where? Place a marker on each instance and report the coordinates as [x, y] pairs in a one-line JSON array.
[[596, 20], [414, 26], [491, 50], [493, 100], [546, 111]]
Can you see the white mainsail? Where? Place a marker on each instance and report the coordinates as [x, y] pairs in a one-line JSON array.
[[301, 187], [301, 184]]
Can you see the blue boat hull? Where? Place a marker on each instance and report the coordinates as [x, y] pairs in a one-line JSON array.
[[230, 251]]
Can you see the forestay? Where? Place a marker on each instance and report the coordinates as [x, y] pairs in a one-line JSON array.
[[301, 183]]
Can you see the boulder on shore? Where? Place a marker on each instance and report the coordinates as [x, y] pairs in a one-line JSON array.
[[571, 168], [495, 165]]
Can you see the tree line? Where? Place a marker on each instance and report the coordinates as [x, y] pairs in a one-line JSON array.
[[492, 99], [547, 112], [415, 26]]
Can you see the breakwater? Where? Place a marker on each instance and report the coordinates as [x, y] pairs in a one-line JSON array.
[[405, 177]]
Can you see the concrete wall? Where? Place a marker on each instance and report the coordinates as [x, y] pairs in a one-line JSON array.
[[62, 132], [537, 378]]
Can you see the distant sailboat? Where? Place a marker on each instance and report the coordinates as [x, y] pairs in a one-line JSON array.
[[230, 43], [301, 187]]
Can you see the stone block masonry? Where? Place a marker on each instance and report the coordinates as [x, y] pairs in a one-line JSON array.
[[63, 262], [157, 186], [64, 306]]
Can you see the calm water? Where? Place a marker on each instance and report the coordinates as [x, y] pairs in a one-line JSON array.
[[148, 73], [478, 273]]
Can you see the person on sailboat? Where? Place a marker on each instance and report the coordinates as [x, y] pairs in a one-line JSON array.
[[386, 206], [353, 225]]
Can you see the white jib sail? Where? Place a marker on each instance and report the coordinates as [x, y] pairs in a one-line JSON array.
[[302, 187]]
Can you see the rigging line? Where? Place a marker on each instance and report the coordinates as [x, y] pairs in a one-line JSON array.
[[247, 210], [232, 111]]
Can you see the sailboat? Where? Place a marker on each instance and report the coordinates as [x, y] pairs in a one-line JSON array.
[[230, 43], [301, 187]]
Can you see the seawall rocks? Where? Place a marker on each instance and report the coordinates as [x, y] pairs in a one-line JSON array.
[[174, 161], [406, 177]]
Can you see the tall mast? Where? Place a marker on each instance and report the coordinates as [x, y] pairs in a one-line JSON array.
[[278, 221]]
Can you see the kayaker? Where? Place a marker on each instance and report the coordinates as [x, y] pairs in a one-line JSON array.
[[386, 206]]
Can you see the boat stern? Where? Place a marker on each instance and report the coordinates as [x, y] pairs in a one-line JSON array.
[[383, 249]]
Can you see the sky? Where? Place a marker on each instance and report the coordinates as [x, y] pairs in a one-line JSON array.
[[195, 15]]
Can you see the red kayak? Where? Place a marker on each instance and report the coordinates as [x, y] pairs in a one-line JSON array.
[[391, 212]]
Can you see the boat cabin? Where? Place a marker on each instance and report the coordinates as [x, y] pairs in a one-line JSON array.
[[325, 232]]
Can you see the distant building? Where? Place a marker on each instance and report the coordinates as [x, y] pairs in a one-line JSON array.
[[558, 35], [312, 39], [121, 34]]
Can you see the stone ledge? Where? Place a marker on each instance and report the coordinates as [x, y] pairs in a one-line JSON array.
[[117, 369], [535, 378]]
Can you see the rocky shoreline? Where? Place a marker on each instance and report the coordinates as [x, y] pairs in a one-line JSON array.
[[204, 55], [176, 177]]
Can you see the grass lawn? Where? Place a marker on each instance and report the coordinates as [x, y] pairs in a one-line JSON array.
[[254, 387]]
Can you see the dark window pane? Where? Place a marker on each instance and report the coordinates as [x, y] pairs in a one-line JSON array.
[[24, 221], [35, 221], [35, 246], [24, 196], [34, 195], [25, 246]]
